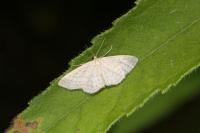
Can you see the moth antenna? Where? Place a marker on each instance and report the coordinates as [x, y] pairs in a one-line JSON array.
[[90, 51], [108, 51], [99, 48]]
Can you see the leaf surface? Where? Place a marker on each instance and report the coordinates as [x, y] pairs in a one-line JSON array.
[[160, 106]]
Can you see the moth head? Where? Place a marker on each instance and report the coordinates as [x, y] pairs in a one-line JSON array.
[[94, 57]]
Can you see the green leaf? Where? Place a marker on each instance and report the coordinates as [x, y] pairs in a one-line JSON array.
[[164, 35], [160, 106]]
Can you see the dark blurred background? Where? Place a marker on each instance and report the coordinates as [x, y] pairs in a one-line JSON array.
[[38, 38]]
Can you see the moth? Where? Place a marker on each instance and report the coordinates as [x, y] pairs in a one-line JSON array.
[[99, 73]]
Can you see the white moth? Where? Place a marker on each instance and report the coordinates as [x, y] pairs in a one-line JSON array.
[[98, 73]]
